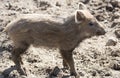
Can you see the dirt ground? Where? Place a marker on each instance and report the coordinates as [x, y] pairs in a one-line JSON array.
[[97, 57]]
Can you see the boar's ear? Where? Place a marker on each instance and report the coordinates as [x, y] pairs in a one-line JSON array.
[[79, 16]]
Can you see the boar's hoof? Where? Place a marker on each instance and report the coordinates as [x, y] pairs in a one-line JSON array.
[[21, 71], [75, 74]]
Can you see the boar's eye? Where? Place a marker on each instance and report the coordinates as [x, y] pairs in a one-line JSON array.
[[91, 23]]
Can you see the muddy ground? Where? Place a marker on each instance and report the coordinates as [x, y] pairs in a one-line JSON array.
[[97, 57]]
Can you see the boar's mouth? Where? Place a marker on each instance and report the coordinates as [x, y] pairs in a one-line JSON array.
[[99, 32]]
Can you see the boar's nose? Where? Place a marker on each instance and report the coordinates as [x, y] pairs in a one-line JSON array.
[[100, 31]]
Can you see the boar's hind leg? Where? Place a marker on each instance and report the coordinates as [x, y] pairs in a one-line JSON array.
[[16, 56], [65, 64], [68, 59]]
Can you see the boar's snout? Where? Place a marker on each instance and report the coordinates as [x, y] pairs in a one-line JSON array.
[[100, 31]]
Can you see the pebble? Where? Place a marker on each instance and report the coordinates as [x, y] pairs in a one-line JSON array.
[[109, 7], [115, 65], [117, 33], [111, 41], [115, 3]]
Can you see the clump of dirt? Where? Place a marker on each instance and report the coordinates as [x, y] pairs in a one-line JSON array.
[[93, 58]]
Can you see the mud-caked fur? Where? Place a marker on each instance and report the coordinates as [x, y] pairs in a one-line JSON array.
[[49, 31]]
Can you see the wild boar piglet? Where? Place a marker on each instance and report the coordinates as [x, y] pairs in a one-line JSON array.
[[47, 31]]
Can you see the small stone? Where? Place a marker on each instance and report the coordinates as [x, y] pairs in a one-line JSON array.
[[114, 24], [106, 1], [116, 16], [1, 29], [49, 70], [85, 1], [81, 74], [55, 72], [58, 4], [100, 18], [36, 66], [44, 5], [19, 9], [109, 7], [107, 74], [104, 72], [23, 76], [117, 33], [115, 65], [111, 42], [115, 53], [115, 3], [94, 73], [1, 20], [82, 6], [8, 5], [32, 60], [43, 8]]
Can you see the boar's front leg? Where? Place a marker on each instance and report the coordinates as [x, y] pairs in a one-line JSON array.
[[16, 57], [68, 59]]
